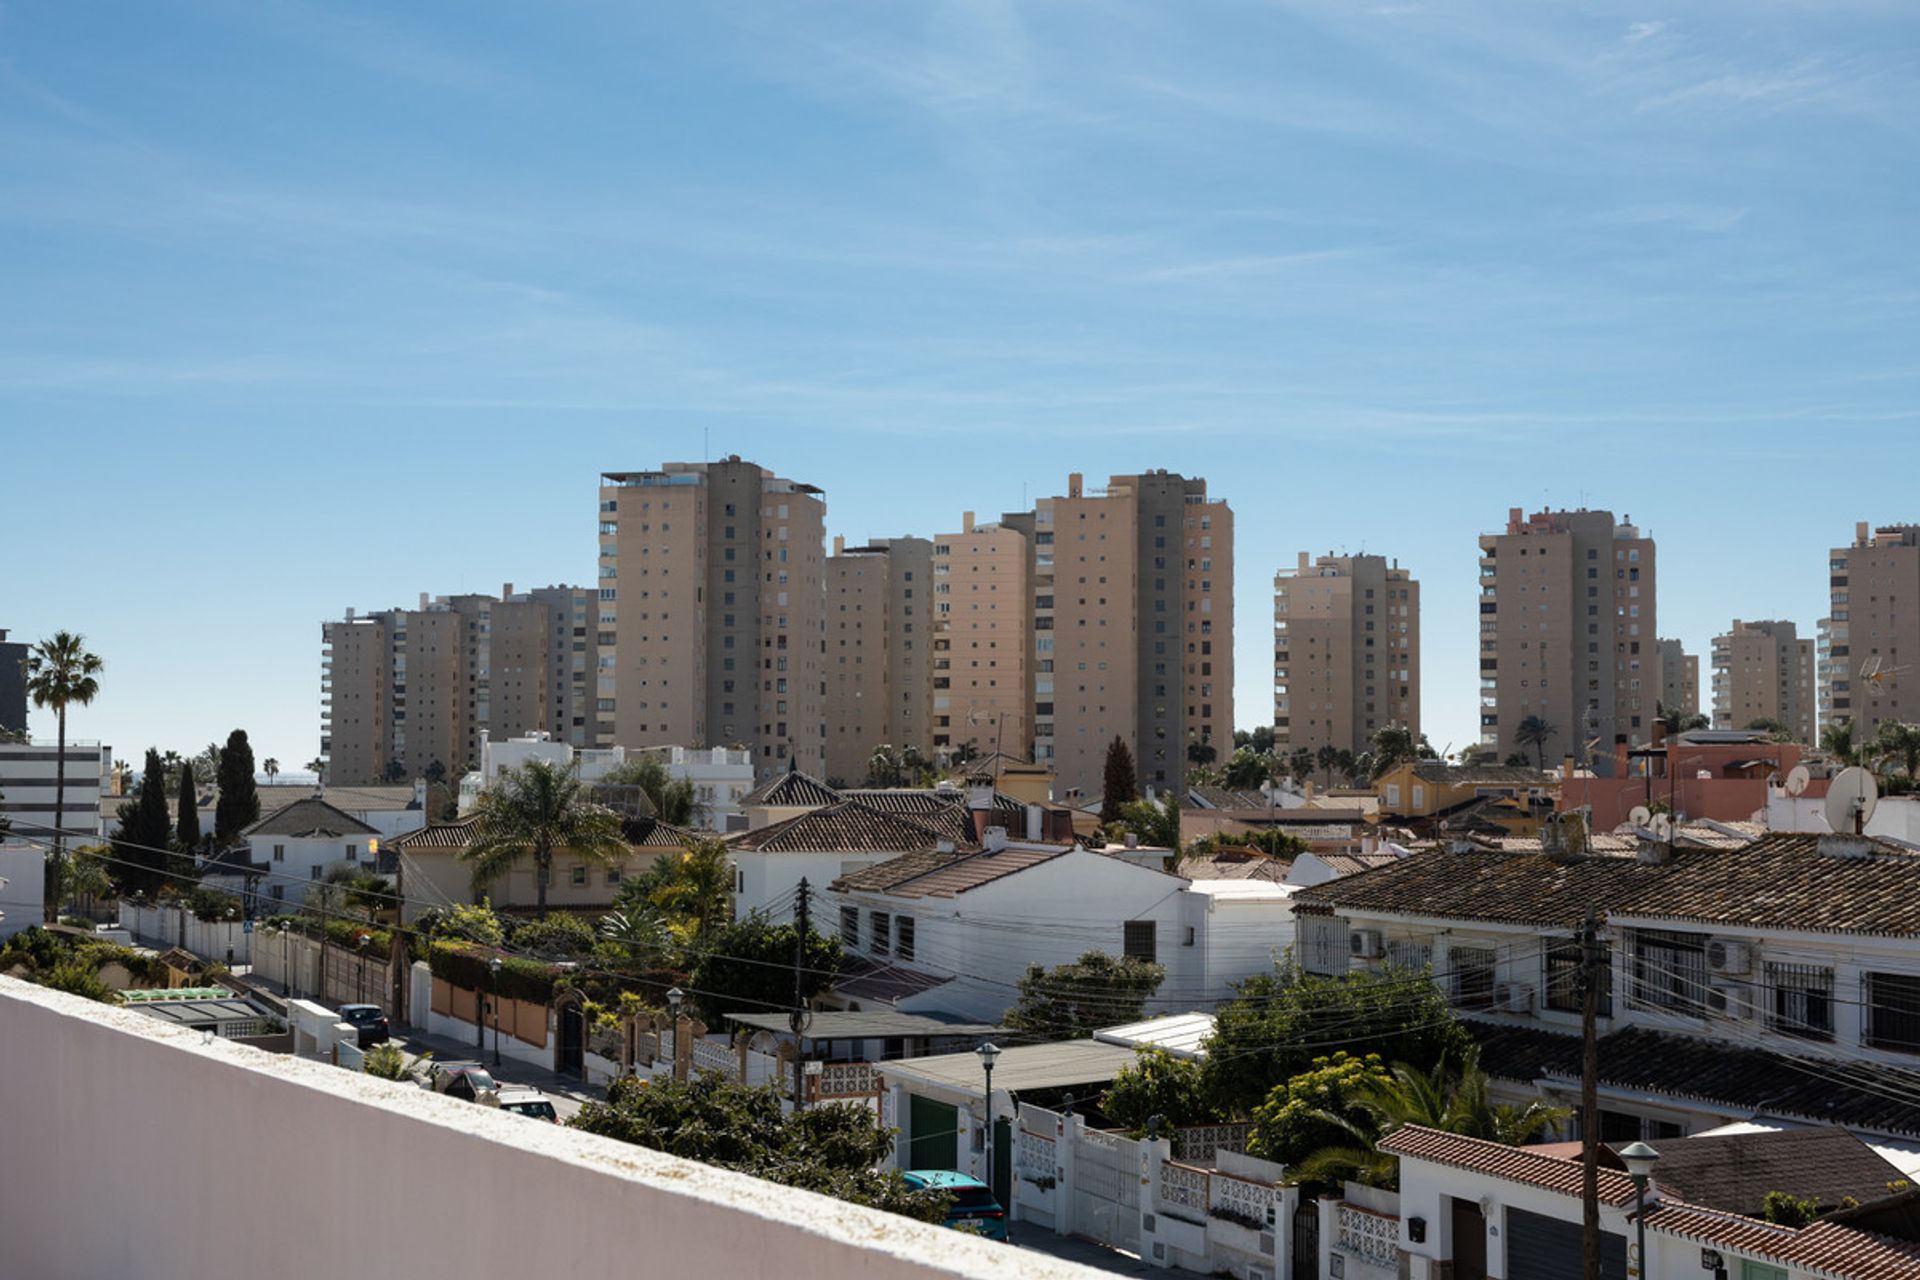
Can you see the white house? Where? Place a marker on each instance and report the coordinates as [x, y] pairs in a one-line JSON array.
[[820, 846], [299, 844], [721, 777], [22, 886], [1780, 979], [973, 921]]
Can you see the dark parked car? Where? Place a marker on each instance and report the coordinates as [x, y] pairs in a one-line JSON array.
[[368, 1020], [465, 1080]]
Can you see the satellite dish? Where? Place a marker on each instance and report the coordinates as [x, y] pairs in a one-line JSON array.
[[1797, 780], [1851, 798], [1640, 815], [1662, 826]]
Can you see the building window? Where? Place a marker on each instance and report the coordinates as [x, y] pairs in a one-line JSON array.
[[903, 938], [1670, 971], [879, 933], [1472, 976], [279, 853], [849, 926], [1139, 941], [1800, 1000], [1893, 1010], [1563, 979], [613, 877]]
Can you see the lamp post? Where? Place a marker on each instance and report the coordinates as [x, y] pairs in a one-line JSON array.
[[229, 939], [1639, 1159], [674, 997], [360, 984], [286, 955], [989, 1052], [493, 970]]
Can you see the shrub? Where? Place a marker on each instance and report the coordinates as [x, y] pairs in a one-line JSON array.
[[388, 1061], [559, 936], [469, 967]]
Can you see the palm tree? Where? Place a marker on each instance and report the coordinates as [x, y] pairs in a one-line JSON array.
[[319, 768], [536, 811], [61, 673], [87, 878], [698, 887], [1326, 758], [1535, 732], [1836, 739], [1899, 743], [272, 769]]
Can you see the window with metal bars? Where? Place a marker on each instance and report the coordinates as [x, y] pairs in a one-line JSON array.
[[1670, 970], [849, 926], [1140, 940], [1893, 1010], [1473, 969], [1800, 1000], [903, 937], [1563, 979], [880, 933]]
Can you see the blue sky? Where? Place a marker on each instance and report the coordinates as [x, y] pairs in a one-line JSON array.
[[307, 305]]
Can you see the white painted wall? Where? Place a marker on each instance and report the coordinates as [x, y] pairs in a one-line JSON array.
[[23, 887], [763, 880], [298, 863], [483, 1189]]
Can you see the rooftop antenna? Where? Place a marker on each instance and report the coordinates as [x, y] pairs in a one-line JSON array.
[[1874, 673], [1851, 799]]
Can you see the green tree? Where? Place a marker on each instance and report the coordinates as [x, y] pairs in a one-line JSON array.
[[672, 798], [271, 768], [1677, 721], [1788, 1209], [692, 889], [187, 826], [318, 766], [145, 830], [1535, 732], [474, 922], [536, 811], [1326, 758], [1202, 752], [1247, 769], [559, 935], [387, 1061], [835, 1149], [746, 967], [1276, 1024], [1837, 740], [1300, 764], [638, 933], [88, 879], [1320, 1108], [239, 804], [1073, 1000], [60, 673], [1153, 823], [1898, 743], [1120, 783], [1157, 1083]]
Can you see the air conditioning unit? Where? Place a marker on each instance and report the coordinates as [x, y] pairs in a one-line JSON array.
[[1730, 1000], [1513, 997], [1366, 944], [1724, 955]]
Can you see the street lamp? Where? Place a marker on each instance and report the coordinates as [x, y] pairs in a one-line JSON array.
[[674, 996], [989, 1052], [360, 988], [229, 939], [286, 955], [1639, 1159], [493, 968]]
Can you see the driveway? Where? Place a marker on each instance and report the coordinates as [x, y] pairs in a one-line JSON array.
[[1088, 1254]]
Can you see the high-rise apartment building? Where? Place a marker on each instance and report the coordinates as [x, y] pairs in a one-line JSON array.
[[1870, 667], [1567, 634], [1679, 679], [1133, 627], [1346, 652], [1763, 671], [404, 690], [880, 636], [984, 694], [13, 684], [712, 593]]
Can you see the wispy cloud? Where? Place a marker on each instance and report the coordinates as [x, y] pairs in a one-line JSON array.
[[1643, 31], [1687, 217], [1249, 265]]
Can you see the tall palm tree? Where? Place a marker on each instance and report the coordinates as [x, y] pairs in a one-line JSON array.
[[61, 673], [698, 888], [1836, 739], [272, 769], [319, 768], [536, 811], [1535, 732], [1326, 757]]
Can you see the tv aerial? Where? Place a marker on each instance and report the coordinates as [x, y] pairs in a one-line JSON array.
[[1797, 779], [1851, 798], [1873, 671]]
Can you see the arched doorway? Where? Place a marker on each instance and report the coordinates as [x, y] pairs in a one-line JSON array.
[[570, 1039]]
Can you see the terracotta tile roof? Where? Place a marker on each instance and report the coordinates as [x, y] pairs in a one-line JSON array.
[[791, 790], [1235, 864], [651, 833], [1221, 798], [1512, 1164], [441, 835], [845, 827], [1784, 881], [1716, 1227], [308, 819], [946, 876], [1833, 1249], [1352, 864], [1481, 775], [1762, 1081], [1735, 1171], [1509, 888]]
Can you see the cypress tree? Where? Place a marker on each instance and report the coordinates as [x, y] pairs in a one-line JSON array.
[[188, 828], [1120, 784], [145, 829], [239, 805]]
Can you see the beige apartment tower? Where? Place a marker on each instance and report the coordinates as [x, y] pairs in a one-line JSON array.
[[984, 660], [1763, 671], [1870, 667], [712, 591], [1567, 635], [880, 636], [1346, 652], [406, 693], [1133, 628], [1679, 679]]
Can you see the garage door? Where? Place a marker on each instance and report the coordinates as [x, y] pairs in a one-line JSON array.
[[1543, 1248], [932, 1134]]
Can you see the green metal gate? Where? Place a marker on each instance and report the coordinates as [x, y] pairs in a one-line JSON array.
[[932, 1134]]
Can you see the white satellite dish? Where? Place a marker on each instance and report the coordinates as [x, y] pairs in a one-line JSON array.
[[1661, 826], [1797, 780], [1639, 815], [1851, 798]]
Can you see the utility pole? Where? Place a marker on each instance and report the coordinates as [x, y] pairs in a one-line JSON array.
[[799, 1020], [1590, 970]]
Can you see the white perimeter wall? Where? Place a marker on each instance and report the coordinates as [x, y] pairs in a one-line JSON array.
[[370, 1173]]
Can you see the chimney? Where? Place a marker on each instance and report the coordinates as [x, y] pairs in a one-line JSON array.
[[1567, 766], [420, 792], [1133, 840], [506, 591], [1074, 481], [1305, 562], [980, 804], [839, 544], [1369, 842], [966, 522], [1033, 822], [994, 838], [1659, 735]]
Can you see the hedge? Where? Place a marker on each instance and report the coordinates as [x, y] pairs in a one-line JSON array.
[[465, 965]]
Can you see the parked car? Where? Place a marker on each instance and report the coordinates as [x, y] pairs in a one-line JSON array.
[[467, 1080], [369, 1020], [973, 1206], [525, 1102]]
